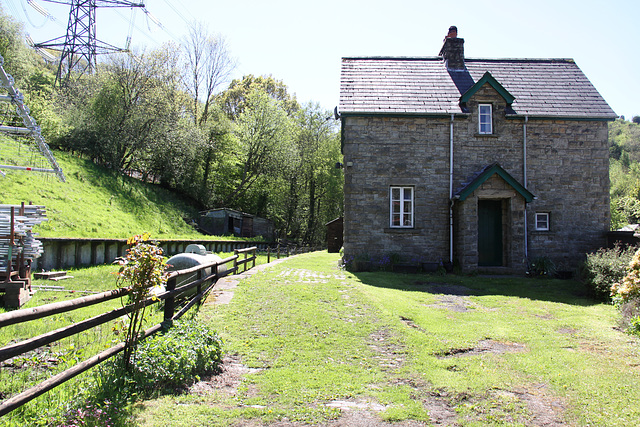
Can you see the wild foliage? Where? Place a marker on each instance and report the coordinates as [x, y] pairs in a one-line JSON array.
[[605, 267], [164, 116], [626, 295], [165, 363], [624, 172], [174, 359]]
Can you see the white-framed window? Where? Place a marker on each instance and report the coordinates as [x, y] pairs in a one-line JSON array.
[[401, 209], [542, 221], [485, 122]]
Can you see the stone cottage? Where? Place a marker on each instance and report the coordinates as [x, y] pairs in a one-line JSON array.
[[487, 163]]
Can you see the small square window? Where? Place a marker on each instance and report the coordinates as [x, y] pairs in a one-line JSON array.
[[401, 207], [485, 122], [542, 221]]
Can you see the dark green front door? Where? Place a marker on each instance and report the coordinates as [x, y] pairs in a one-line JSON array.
[[489, 233]]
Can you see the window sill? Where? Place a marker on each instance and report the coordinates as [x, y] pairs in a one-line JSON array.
[[485, 135], [401, 230]]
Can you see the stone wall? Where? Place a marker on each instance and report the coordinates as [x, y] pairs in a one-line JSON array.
[[380, 152], [567, 171], [62, 253]]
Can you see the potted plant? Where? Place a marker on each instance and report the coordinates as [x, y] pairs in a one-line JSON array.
[[404, 267], [362, 262], [430, 267]]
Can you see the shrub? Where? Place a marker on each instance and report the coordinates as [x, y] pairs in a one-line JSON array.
[[634, 326], [175, 358], [626, 295], [166, 362], [628, 289], [605, 267]]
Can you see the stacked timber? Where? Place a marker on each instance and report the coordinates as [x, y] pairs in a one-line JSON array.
[[21, 228]]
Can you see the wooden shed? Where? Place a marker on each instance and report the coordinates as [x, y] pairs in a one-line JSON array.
[[224, 221], [334, 235]]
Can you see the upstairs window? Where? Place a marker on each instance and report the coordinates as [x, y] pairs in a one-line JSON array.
[[485, 123], [542, 221], [401, 207]]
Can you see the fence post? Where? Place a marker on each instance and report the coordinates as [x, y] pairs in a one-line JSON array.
[[169, 303], [235, 262], [268, 254], [254, 252]]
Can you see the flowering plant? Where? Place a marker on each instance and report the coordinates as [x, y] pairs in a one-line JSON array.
[[629, 288], [142, 269]]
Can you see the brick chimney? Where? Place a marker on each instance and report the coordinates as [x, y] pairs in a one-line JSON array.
[[452, 51]]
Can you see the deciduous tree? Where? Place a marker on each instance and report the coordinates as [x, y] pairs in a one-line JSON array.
[[207, 65]]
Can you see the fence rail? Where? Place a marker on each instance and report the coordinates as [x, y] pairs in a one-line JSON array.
[[171, 294]]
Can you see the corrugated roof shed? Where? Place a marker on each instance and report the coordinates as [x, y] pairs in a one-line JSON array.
[[400, 85]]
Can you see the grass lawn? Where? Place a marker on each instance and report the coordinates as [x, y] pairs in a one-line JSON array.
[[316, 344]]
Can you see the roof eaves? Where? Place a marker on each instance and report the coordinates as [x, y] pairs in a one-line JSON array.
[[598, 118], [399, 114]]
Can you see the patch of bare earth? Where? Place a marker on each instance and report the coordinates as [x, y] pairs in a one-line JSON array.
[[389, 354], [226, 380], [544, 409], [484, 346], [449, 297]]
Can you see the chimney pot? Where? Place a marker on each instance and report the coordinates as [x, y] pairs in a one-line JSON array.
[[452, 51]]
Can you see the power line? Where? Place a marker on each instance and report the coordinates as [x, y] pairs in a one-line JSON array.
[[24, 9], [180, 14]]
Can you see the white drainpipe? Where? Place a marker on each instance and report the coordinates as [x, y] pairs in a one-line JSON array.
[[524, 166], [451, 190]]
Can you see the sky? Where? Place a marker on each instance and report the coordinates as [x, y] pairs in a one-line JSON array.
[[302, 42]]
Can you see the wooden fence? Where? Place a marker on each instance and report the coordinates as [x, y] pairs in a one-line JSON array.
[[170, 296]]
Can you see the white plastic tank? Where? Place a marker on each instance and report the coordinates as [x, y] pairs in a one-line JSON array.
[[196, 255]]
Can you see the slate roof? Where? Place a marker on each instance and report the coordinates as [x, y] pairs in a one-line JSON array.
[[401, 85]]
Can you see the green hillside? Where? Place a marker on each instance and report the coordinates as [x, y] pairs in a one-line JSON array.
[[94, 202]]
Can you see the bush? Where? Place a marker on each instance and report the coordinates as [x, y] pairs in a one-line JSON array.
[[174, 359], [166, 362], [626, 295], [605, 267], [634, 326]]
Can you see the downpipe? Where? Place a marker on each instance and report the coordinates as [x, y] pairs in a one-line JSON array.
[[451, 190]]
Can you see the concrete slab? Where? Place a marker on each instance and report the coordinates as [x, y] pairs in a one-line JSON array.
[[223, 290]]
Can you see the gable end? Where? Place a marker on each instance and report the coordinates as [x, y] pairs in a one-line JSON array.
[[487, 78]]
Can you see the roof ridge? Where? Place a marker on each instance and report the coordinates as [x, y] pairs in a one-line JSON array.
[[439, 58]]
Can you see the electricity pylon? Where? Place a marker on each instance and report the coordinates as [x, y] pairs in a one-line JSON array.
[[80, 46]]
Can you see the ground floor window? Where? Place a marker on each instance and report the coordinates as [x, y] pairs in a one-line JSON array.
[[542, 221], [401, 207]]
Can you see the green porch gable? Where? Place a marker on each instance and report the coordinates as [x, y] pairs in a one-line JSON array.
[[487, 173]]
